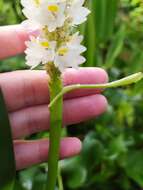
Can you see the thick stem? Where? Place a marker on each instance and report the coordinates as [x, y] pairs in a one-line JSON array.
[[55, 86]]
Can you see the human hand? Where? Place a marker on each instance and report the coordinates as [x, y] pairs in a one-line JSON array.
[[27, 98]]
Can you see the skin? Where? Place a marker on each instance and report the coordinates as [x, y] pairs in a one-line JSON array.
[[27, 97]]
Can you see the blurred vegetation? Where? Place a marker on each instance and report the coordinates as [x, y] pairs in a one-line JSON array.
[[112, 156]]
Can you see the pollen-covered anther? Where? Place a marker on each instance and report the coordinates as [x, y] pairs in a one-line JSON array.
[[45, 44], [37, 2], [53, 8], [63, 51]]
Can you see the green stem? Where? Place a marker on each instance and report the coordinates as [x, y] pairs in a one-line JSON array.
[[55, 86], [60, 181], [122, 82], [56, 96]]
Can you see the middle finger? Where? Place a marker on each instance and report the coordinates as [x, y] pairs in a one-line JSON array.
[[35, 119], [24, 89]]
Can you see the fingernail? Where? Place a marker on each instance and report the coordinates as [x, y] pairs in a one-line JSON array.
[[34, 32]]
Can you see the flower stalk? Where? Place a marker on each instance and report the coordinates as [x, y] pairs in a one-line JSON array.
[[55, 86], [55, 46]]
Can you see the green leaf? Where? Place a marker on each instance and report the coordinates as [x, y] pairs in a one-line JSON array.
[[18, 186], [90, 41], [92, 151], [117, 147], [7, 161], [134, 166], [77, 177], [115, 48], [74, 171], [39, 182], [1, 5], [105, 14]]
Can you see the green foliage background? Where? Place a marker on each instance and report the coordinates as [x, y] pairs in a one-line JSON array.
[[112, 156]]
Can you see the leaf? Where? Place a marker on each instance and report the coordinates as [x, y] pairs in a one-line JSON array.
[[105, 14], [92, 151], [30, 176], [7, 160], [90, 37], [74, 171], [117, 147], [18, 186], [134, 166], [1, 5], [136, 61], [116, 47], [77, 177], [39, 182]]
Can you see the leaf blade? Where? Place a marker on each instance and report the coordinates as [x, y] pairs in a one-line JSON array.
[[7, 160]]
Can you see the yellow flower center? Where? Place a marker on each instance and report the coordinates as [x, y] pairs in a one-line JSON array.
[[53, 8], [37, 2], [62, 51], [45, 44]]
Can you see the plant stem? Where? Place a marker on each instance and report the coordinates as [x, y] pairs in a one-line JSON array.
[[56, 104], [55, 86], [122, 82], [60, 182]]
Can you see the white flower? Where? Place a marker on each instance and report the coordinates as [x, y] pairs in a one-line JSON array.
[[69, 55], [39, 51], [54, 13], [77, 12], [41, 13], [75, 43]]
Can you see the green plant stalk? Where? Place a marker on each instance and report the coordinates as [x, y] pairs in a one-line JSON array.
[[55, 86], [122, 82], [60, 182]]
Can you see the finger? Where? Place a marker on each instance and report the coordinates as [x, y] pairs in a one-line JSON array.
[[36, 119], [12, 40], [28, 153], [29, 88], [88, 75]]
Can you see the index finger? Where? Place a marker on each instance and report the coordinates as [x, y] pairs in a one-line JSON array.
[[12, 40]]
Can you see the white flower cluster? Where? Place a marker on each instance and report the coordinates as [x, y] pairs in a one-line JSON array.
[[56, 42]]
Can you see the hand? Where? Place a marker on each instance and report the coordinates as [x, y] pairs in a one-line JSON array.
[[27, 97]]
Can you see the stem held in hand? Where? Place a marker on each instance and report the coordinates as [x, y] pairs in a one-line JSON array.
[[55, 86]]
